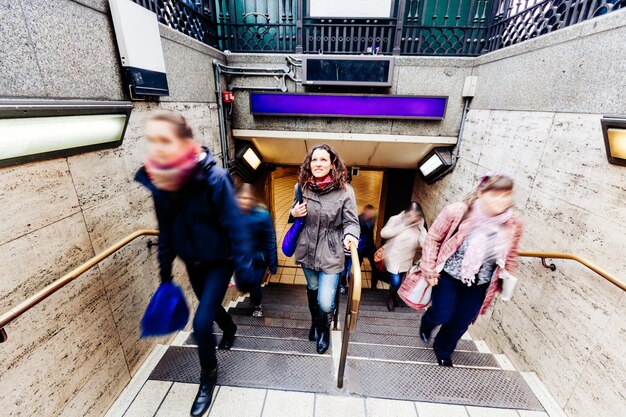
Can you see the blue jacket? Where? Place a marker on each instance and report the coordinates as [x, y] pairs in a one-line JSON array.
[[261, 227], [201, 222]]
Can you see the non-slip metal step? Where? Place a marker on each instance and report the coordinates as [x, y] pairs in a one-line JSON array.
[[421, 355], [269, 332], [398, 340], [431, 383], [263, 344], [251, 370]]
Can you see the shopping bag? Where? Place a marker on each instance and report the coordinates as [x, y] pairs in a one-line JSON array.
[[415, 291], [379, 259], [167, 311]]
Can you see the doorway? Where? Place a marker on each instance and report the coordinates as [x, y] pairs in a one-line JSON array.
[[368, 186]]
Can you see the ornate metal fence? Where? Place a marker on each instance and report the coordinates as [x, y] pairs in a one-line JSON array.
[[515, 21], [193, 18], [414, 27]]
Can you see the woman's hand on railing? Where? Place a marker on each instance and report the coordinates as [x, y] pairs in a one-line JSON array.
[[349, 239]]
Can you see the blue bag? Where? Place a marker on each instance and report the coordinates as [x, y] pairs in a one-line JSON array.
[[167, 311], [290, 241]]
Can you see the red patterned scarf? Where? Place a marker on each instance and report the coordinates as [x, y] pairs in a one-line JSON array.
[[322, 186], [173, 175]]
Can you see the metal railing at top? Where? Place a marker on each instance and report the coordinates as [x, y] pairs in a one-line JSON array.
[[413, 27], [32, 301], [352, 312]]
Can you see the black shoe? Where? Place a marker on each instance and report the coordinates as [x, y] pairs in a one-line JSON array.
[[323, 341], [228, 338], [203, 399], [424, 336], [391, 299], [444, 362], [314, 309]]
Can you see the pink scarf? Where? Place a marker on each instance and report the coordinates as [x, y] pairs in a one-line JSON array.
[[173, 175], [478, 227]]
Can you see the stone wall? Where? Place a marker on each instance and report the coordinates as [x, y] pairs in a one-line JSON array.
[[537, 116], [74, 353], [434, 76]]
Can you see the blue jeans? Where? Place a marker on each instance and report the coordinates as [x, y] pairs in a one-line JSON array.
[[454, 307], [209, 283], [396, 280], [326, 286]]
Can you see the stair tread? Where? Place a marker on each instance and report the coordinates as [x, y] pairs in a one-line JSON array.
[[268, 344], [305, 373], [266, 331], [401, 340], [420, 354], [418, 382]]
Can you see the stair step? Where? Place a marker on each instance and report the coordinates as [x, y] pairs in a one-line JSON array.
[[428, 383], [306, 373], [269, 332], [373, 304], [407, 341], [269, 344], [420, 355]]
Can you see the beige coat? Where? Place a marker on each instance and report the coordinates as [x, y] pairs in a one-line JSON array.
[[402, 244]]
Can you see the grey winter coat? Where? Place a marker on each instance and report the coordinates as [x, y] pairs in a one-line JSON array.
[[330, 217]]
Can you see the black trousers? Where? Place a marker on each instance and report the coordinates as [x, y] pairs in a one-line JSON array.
[[209, 283], [454, 307]]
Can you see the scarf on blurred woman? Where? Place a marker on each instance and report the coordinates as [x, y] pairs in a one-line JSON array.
[[478, 228], [323, 186], [172, 176]]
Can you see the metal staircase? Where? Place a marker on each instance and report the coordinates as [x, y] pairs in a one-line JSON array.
[[386, 358]]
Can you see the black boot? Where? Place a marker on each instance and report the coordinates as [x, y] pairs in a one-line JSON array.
[[228, 337], [323, 341], [314, 309], [391, 300], [205, 394]]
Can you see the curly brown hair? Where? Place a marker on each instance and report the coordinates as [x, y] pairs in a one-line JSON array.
[[338, 171]]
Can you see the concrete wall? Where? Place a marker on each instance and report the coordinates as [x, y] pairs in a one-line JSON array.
[[412, 76], [73, 354], [537, 116]]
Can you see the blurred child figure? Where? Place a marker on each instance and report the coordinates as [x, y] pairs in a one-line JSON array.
[[468, 247], [261, 229], [199, 221], [404, 232], [367, 247]]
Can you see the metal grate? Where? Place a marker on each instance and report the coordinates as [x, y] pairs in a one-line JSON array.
[[410, 341], [402, 381], [422, 355], [250, 370]]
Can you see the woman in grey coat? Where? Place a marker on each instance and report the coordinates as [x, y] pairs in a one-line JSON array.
[[331, 223]]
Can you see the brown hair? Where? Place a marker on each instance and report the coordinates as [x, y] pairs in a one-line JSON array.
[[247, 188], [181, 126], [494, 182], [339, 171]]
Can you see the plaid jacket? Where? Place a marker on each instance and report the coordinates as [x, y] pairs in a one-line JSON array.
[[443, 240]]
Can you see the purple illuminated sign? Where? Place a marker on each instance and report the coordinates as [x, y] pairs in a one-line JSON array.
[[339, 105]]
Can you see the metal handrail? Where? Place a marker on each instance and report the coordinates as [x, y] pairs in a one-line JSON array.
[[557, 255], [352, 312], [32, 301]]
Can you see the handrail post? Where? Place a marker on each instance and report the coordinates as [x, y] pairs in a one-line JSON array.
[[352, 308], [299, 14], [3, 335], [397, 40]]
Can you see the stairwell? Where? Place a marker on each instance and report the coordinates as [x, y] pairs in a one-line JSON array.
[[386, 361]]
